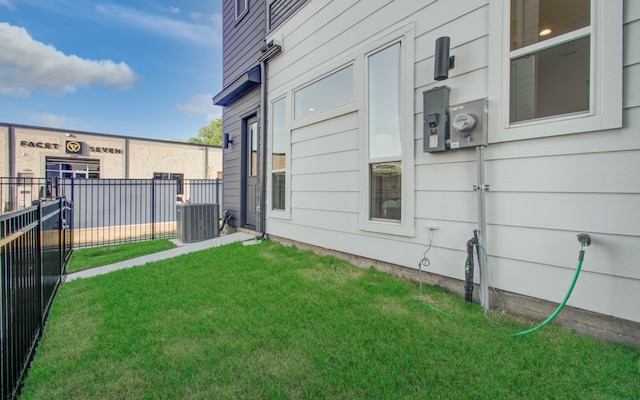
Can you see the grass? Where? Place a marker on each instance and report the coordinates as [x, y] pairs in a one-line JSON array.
[[105, 255], [272, 322]]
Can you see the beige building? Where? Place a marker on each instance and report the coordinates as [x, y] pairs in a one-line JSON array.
[[37, 152]]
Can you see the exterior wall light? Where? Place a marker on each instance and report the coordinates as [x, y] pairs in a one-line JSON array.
[[226, 140], [442, 61]]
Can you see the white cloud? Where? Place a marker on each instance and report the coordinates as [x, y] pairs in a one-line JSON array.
[[201, 104], [193, 32], [53, 121], [27, 64], [214, 115], [7, 3], [173, 10]]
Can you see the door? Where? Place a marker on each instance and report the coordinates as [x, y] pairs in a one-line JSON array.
[[250, 197]]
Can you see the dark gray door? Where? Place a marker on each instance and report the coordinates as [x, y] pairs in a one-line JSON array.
[[250, 203]]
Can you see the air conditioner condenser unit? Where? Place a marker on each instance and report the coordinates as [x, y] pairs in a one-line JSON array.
[[197, 222]]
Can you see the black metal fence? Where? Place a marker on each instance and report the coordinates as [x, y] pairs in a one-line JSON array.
[[110, 211], [19, 193], [35, 247]]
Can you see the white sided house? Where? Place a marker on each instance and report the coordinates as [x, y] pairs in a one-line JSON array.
[[356, 166]]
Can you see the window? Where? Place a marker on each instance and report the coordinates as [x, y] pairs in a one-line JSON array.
[[557, 69], [279, 154], [385, 191], [252, 148], [384, 131], [242, 7], [329, 92], [387, 143], [550, 47], [179, 178], [71, 168]]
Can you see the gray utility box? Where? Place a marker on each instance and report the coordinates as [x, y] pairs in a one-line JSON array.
[[469, 124], [196, 222]]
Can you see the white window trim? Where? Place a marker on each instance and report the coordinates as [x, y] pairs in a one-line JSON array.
[[286, 212], [406, 225], [333, 112], [606, 71]]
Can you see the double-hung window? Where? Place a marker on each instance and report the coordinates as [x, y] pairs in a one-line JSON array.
[[385, 136], [279, 145], [559, 67], [387, 174]]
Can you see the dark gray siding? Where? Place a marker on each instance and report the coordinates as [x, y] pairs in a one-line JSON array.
[[232, 157], [279, 10], [242, 39]]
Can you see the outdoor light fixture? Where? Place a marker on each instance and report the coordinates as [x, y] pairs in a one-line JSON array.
[[442, 61], [545, 32], [226, 140]]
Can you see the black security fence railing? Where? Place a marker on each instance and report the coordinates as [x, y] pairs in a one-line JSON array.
[[110, 211], [35, 247], [19, 193]]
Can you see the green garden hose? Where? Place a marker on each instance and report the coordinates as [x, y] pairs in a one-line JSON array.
[[585, 240]]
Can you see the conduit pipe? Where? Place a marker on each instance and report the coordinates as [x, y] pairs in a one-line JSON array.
[[481, 187]]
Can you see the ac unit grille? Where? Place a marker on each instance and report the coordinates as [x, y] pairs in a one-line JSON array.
[[196, 222]]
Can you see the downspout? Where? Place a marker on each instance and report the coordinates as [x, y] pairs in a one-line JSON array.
[[262, 204], [126, 158], [269, 51], [206, 162], [12, 151]]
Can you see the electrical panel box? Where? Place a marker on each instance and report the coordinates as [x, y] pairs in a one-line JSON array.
[[435, 103], [469, 124]]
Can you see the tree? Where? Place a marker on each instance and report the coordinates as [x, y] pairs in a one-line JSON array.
[[210, 134]]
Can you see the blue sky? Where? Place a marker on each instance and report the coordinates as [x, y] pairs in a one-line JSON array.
[[147, 68]]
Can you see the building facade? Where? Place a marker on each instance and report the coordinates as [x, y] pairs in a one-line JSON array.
[[245, 26], [369, 151], [37, 152]]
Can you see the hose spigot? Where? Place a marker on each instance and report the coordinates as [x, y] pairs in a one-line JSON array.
[[584, 239]]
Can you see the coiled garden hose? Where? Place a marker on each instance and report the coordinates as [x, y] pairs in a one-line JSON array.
[[585, 240]]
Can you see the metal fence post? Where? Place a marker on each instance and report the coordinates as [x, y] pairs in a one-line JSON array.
[[153, 209], [61, 232], [38, 252]]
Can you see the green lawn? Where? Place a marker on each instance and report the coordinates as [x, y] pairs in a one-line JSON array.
[[104, 255], [271, 322]]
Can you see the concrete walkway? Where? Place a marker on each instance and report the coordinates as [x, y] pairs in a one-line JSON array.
[[163, 255]]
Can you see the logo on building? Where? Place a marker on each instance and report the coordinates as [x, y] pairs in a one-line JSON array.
[[73, 147]]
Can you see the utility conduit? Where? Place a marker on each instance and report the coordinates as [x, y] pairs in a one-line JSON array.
[[585, 240]]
